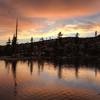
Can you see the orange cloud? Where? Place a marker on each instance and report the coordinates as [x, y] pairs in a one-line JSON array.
[[56, 8], [38, 17]]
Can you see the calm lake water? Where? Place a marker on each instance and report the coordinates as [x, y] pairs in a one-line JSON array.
[[38, 80]]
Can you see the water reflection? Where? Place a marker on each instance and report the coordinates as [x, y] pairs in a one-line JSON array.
[[13, 68], [30, 64], [59, 65], [40, 66], [55, 71]]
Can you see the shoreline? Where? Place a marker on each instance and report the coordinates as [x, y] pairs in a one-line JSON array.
[[57, 59]]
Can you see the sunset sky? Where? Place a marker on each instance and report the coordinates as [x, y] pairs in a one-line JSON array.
[[45, 18]]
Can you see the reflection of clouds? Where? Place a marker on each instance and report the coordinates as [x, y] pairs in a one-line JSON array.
[[66, 72], [49, 75]]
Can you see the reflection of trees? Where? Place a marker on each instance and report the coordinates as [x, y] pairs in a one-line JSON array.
[[7, 65], [58, 65], [30, 64], [76, 65], [60, 71], [96, 69], [40, 66], [14, 63], [13, 69]]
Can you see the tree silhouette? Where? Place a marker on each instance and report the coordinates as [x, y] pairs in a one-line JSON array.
[[8, 49], [58, 45], [60, 35], [96, 33], [76, 51], [31, 49], [42, 39], [9, 42], [77, 35], [14, 43], [31, 39]]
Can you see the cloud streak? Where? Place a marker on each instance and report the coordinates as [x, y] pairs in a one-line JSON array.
[[56, 8], [47, 17]]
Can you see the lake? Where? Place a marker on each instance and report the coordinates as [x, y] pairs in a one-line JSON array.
[[43, 80]]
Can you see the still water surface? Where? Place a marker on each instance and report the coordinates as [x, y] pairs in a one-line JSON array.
[[38, 80]]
